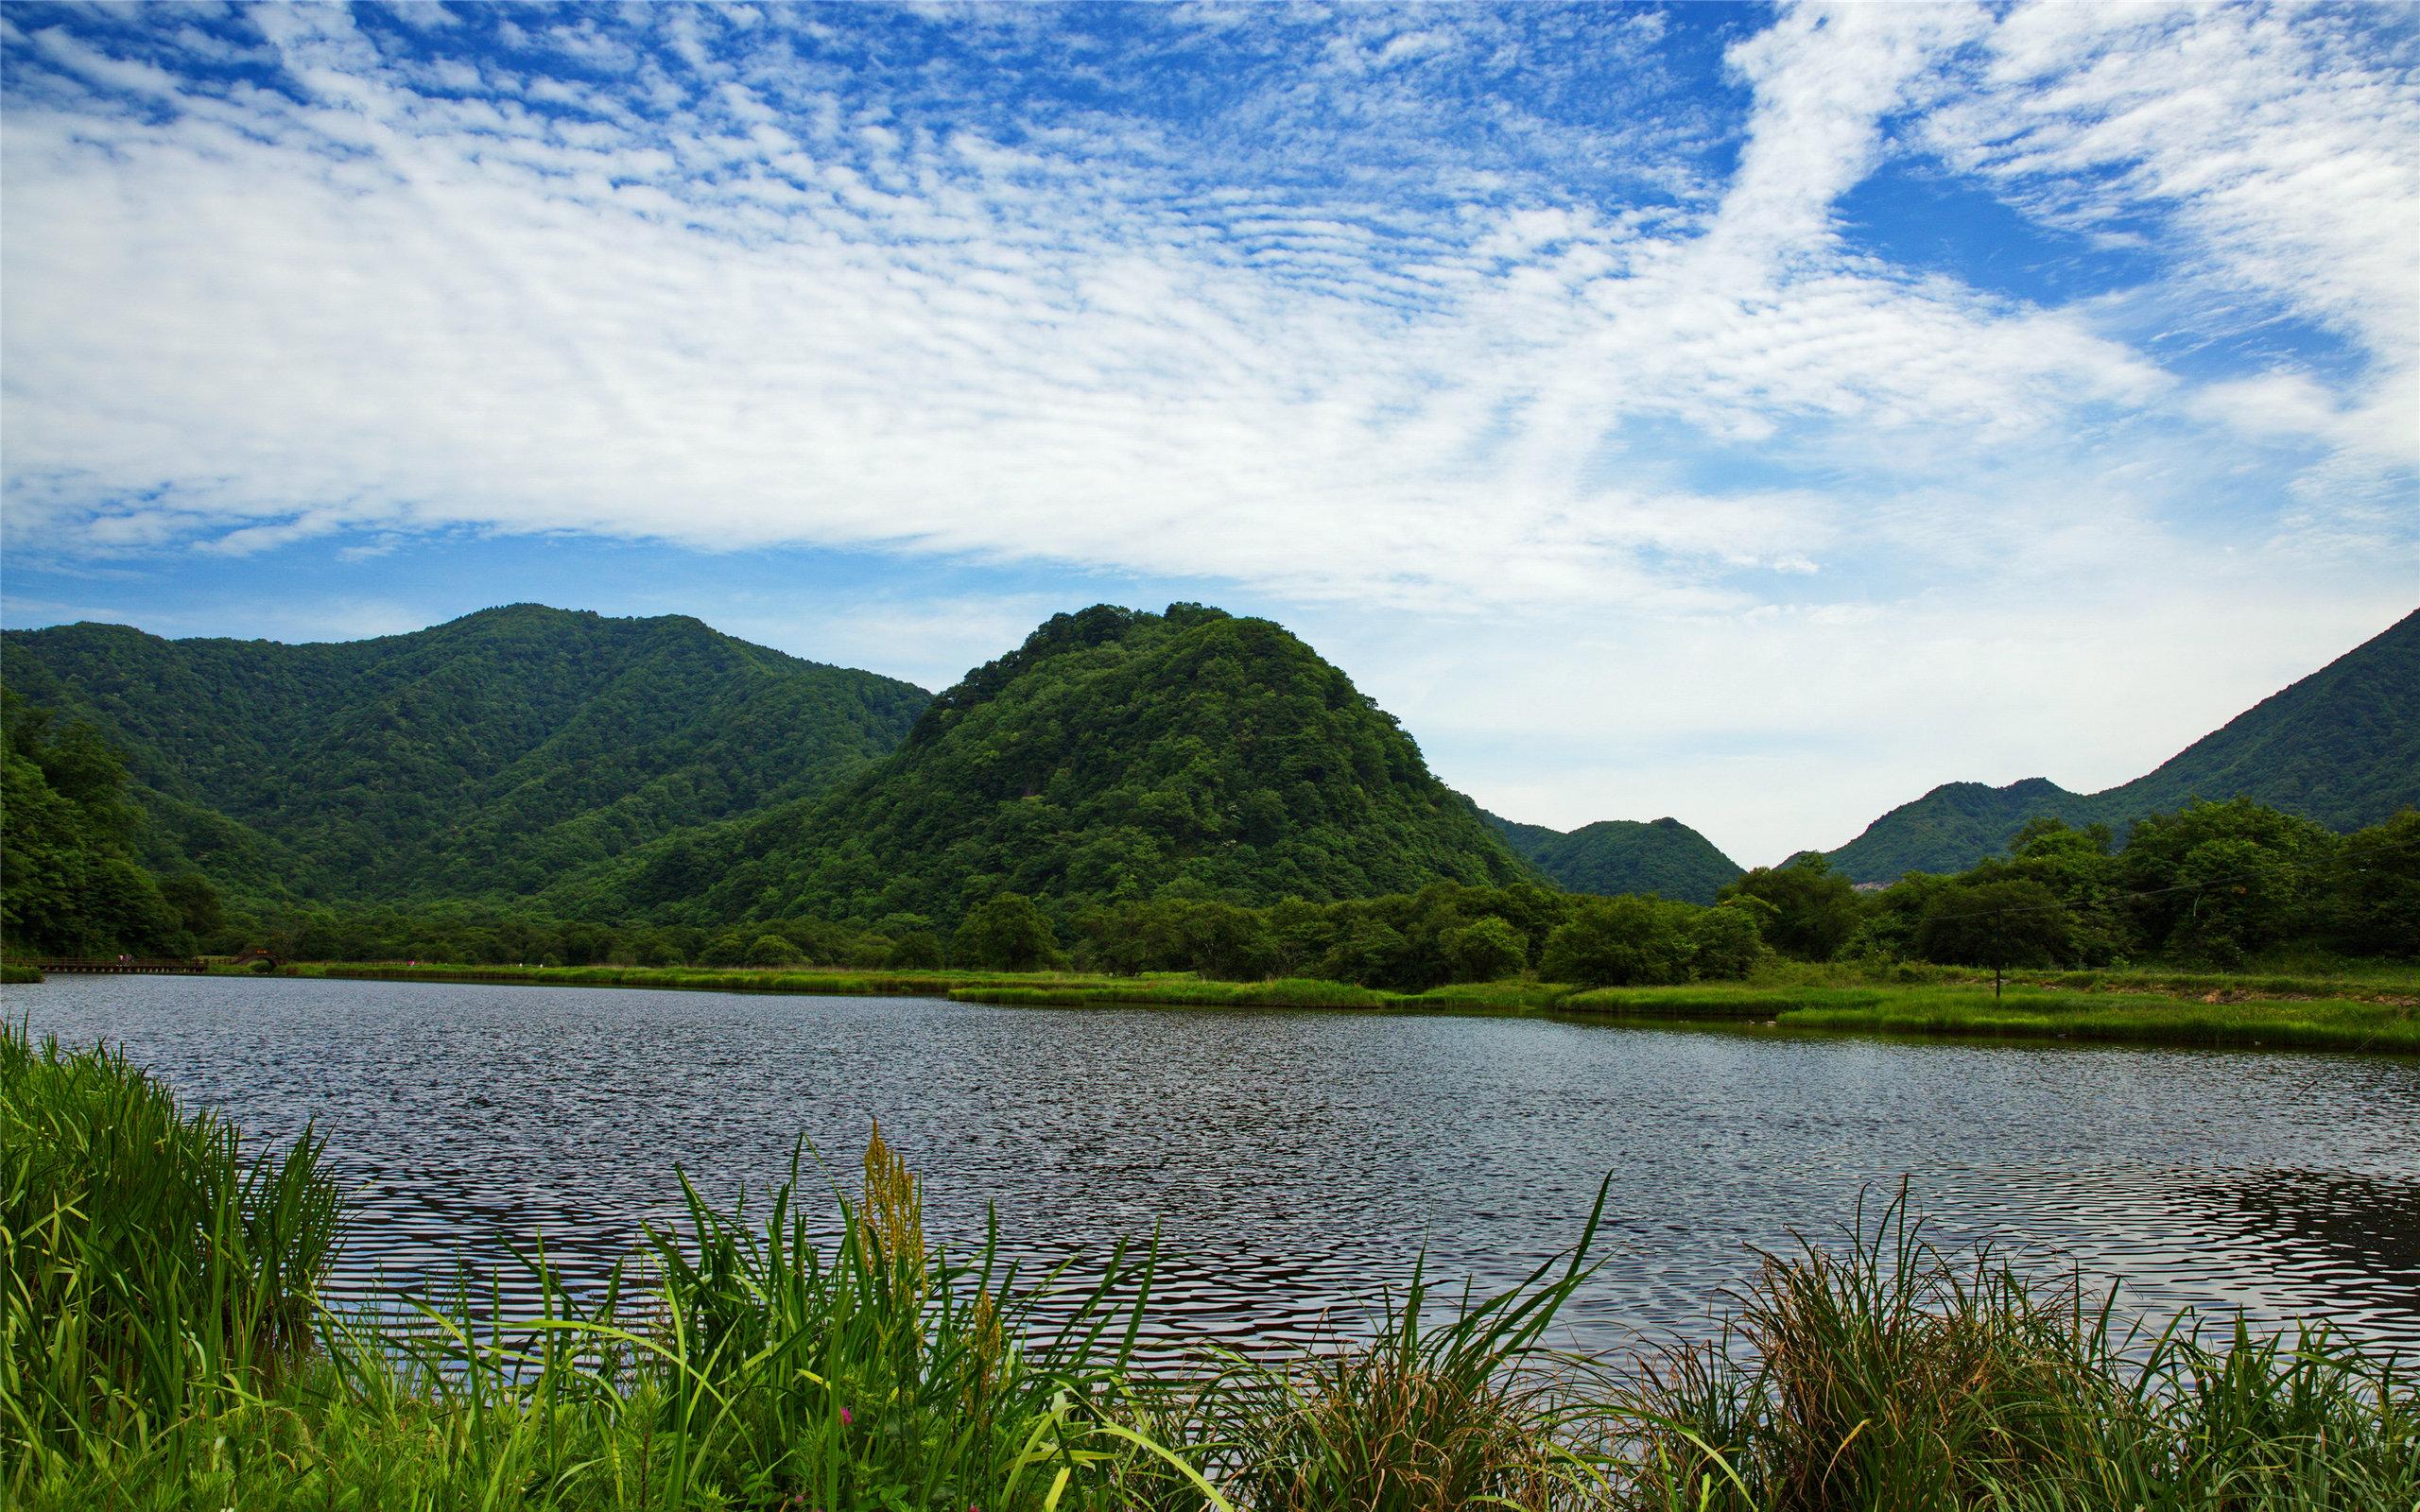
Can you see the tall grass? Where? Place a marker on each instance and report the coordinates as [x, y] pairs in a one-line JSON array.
[[2034, 1014], [150, 1262], [1889, 1375], [164, 1351]]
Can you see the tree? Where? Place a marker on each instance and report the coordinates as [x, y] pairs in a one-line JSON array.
[[1993, 923], [772, 950], [1815, 909], [195, 901], [654, 947], [1725, 941], [71, 883], [2374, 889], [1487, 950], [1621, 942], [2221, 882], [1006, 932], [919, 950]]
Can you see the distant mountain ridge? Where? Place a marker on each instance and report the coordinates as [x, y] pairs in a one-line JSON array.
[[1115, 754], [2340, 746], [1614, 857], [487, 755]]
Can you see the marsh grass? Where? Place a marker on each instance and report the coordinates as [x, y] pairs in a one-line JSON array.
[[1888, 1375], [2364, 1012], [165, 1349], [150, 1261], [2034, 1013], [1438, 1408]]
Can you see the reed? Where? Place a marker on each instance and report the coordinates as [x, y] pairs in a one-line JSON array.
[[1888, 1375], [1442, 1407], [153, 1269]]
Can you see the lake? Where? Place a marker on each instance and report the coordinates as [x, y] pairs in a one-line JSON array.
[[1295, 1162]]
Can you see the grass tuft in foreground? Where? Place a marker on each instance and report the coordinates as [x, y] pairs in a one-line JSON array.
[[165, 1349], [151, 1267], [1889, 1375]]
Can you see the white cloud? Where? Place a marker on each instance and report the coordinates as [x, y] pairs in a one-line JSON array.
[[1586, 375], [398, 310], [2278, 147]]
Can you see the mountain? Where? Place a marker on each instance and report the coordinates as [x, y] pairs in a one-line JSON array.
[[485, 756], [2340, 747], [1614, 857], [1115, 753]]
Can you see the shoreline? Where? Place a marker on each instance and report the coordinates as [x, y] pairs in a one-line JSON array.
[[2207, 1010]]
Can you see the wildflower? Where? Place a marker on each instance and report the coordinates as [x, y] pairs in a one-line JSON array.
[[844, 1418]]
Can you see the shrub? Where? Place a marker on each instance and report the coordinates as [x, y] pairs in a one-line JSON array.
[[1724, 941]]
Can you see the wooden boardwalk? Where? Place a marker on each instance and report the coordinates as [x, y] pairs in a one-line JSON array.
[[116, 964]]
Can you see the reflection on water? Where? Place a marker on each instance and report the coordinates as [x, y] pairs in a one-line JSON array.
[[1295, 1163]]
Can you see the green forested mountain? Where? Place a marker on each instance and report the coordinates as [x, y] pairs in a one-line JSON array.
[[1616, 856], [486, 756], [1115, 754], [2340, 747]]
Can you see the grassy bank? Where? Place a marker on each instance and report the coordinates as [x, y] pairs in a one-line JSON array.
[[2036, 1013], [164, 1350], [11, 975], [2377, 1011]]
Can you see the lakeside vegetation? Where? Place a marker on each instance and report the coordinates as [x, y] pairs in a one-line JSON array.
[[840, 1360], [2373, 1010]]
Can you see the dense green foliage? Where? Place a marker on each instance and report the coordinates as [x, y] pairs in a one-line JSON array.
[[2215, 884], [1115, 755], [777, 1359], [70, 884], [1405, 943], [1804, 909], [479, 758], [2340, 747], [2218, 884], [1616, 856]]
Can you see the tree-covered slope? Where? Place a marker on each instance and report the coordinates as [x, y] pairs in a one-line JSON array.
[[488, 755], [2340, 747], [1616, 856], [1114, 754]]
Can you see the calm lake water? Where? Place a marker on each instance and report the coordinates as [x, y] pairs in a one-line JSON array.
[[1295, 1161]]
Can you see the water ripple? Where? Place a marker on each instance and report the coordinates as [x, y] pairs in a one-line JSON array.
[[1293, 1164]]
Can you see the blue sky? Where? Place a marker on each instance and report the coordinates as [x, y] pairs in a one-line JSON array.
[[1751, 414]]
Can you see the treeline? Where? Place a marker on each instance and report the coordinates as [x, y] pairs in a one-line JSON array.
[[2213, 884], [1403, 941]]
